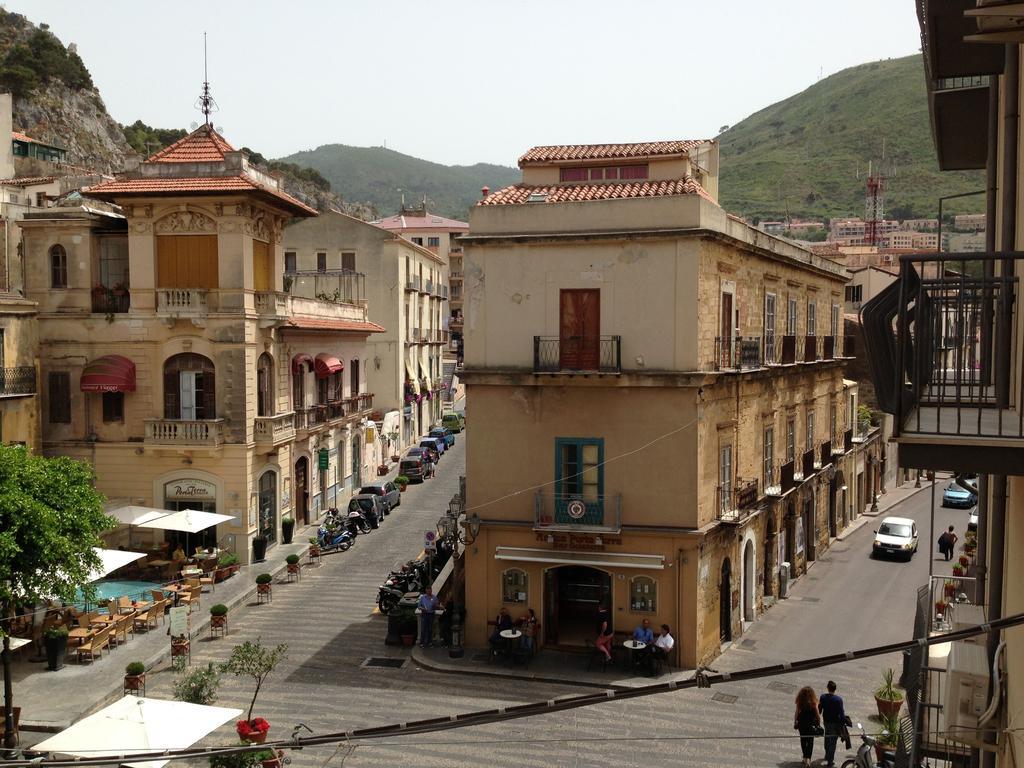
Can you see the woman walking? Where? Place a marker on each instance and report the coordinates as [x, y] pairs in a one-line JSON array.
[[807, 721]]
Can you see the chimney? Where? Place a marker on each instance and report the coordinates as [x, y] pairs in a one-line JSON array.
[[484, 191]]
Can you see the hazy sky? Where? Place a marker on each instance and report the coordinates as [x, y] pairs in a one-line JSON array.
[[464, 81]]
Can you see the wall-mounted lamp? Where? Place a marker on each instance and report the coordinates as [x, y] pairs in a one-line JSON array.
[[842, 488]]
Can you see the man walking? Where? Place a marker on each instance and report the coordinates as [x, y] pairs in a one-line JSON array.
[[427, 605], [834, 716], [950, 539]]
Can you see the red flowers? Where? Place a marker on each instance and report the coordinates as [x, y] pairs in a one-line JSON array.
[[249, 728]]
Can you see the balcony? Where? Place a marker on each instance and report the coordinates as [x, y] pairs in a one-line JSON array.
[[561, 512], [600, 354], [338, 286], [412, 283], [737, 353], [824, 455], [455, 275], [18, 382], [271, 306], [209, 433], [182, 303], [736, 503], [428, 287], [949, 369], [311, 418], [441, 291], [272, 431], [108, 302]]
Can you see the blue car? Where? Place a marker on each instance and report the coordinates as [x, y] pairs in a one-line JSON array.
[[443, 433], [957, 496]]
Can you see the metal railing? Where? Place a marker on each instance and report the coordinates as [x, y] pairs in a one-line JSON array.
[[743, 352], [340, 286], [365, 401], [552, 354], [412, 282], [185, 432], [569, 512], [110, 302], [429, 286], [949, 592], [17, 381], [737, 353], [736, 502], [825, 454], [276, 429]]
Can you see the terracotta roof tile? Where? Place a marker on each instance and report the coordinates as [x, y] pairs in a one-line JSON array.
[[608, 151], [160, 185], [203, 145], [430, 221], [564, 193], [19, 136], [28, 181], [330, 324]]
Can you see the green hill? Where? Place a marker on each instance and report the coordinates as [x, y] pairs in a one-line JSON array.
[[374, 175], [802, 155]]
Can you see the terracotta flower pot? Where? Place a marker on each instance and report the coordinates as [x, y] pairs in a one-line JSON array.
[[219, 622], [256, 737], [887, 708], [263, 589], [134, 682], [293, 568]]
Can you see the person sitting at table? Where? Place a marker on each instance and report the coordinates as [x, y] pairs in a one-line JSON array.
[[179, 554], [663, 644], [644, 634], [605, 632], [529, 626], [501, 622]]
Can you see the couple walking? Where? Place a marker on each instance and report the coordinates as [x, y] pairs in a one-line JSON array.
[[810, 712]]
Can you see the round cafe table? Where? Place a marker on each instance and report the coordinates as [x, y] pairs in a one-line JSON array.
[[511, 638], [634, 646]]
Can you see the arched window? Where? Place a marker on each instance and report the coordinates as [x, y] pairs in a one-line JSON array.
[[268, 505], [265, 385], [643, 594], [189, 388], [514, 583], [58, 267]]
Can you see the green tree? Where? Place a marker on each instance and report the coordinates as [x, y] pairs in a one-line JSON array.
[[51, 518], [256, 661]]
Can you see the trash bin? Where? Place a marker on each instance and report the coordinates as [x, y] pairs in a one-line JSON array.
[[783, 581]]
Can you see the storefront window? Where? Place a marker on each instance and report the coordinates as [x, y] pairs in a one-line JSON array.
[[268, 505], [643, 594], [191, 493], [513, 586]]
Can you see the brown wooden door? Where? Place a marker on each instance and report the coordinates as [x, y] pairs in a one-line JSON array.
[[262, 268], [579, 333], [301, 494], [726, 351]]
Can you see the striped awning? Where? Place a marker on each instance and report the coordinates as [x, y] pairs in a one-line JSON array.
[[327, 365], [110, 373]]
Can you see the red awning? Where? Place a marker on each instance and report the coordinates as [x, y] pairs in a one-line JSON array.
[[300, 360], [110, 373], [326, 365]]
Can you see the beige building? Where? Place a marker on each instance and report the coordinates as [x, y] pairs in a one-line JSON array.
[[19, 399], [405, 287], [672, 382], [437, 234], [172, 359], [911, 240]]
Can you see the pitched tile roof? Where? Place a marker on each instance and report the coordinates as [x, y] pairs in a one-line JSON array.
[[160, 185], [565, 152], [203, 145], [28, 181], [19, 136], [565, 193], [330, 324], [430, 221]]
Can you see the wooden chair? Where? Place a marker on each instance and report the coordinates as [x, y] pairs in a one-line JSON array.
[[157, 595], [124, 604], [191, 597], [94, 646], [16, 713], [124, 624], [209, 566], [83, 620], [146, 620]]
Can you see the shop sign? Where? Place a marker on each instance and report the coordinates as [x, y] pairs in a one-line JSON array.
[[190, 489], [799, 536], [586, 542], [323, 459], [179, 621]]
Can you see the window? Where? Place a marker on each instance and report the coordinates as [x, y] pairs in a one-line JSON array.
[[321, 262], [514, 586], [851, 411], [299, 387], [833, 422], [633, 172], [769, 327], [812, 311], [433, 242], [768, 460], [348, 261], [265, 385], [58, 267], [810, 430], [113, 407], [834, 326], [418, 240], [114, 261], [725, 477], [791, 317], [791, 440], [60, 397], [289, 261], [854, 293], [189, 388], [187, 261], [579, 473], [643, 594], [572, 174]]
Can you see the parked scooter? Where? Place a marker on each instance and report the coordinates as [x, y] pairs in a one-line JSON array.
[[355, 523], [331, 536], [865, 753], [388, 595]]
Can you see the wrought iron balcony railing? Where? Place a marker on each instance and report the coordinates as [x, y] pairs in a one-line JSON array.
[[737, 353], [19, 381], [736, 502], [577, 354], [567, 512]]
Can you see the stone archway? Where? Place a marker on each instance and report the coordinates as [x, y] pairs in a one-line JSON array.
[[725, 603], [749, 580]]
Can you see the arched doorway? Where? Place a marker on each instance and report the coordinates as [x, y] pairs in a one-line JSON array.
[[572, 595], [749, 581], [302, 490], [809, 532], [357, 461], [725, 602], [833, 519], [768, 560], [268, 505]]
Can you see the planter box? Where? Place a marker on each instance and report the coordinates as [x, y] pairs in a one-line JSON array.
[[135, 682]]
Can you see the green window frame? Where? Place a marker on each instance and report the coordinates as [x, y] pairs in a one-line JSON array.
[[579, 476]]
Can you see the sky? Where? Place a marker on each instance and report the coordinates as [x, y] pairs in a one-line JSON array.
[[460, 82]]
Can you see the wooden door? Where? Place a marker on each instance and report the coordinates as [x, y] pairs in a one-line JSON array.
[[726, 353], [301, 494], [725, 603], [579, 333], [262, 269]]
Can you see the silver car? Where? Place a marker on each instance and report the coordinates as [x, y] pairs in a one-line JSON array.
[[387, 490]]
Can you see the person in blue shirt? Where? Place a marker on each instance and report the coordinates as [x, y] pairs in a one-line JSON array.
[[834, 717], [427, 605], [644, 633]]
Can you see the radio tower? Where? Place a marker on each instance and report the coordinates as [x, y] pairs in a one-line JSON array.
[[874, 205]]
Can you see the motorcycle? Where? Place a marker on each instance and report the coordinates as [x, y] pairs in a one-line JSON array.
[[331, 537], [356, 523], [388, 595], [865, 753]]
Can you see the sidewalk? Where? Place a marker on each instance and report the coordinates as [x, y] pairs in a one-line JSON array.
[[886, 502]]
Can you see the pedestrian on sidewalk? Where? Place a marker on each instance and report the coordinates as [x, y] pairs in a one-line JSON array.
[[947, 543], [834, 717], [604, 632], [427, 606], [807, 721]]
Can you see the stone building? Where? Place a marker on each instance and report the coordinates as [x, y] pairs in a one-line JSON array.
[[19, 399], [406, 287], [174, 362], [656, 390]]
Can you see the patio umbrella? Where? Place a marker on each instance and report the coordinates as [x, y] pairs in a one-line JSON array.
[[187, 521], [112, 559], [133, 725], [133, 515]]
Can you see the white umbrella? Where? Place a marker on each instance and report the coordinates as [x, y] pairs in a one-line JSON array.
[[134, 725], [111, 560], [132, 515], [187, 521]]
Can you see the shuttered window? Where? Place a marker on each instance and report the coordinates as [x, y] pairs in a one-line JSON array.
[[186, 261], [262, 268], [189, 388], [60, 397]]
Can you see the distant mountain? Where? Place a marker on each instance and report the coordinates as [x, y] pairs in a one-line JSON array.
[[374, 176], [808, 155]]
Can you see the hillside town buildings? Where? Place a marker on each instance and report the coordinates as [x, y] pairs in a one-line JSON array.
[[672, 382]]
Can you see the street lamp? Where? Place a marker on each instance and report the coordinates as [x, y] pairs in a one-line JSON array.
[[459, 534]]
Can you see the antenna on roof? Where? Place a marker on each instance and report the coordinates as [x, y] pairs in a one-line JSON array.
[[205, 102]]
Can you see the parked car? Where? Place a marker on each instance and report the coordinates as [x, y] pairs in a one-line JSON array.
[[387, 490], [895, 536], [371, 507], [443, 433], [956, 495], [433, 444], [454, 420], [412, 467], [972, 520]]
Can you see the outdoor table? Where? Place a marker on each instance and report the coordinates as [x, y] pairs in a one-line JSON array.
[[510, 636], [159, 563], [634, 646], [137, 605], [80, 634], [18, 642]]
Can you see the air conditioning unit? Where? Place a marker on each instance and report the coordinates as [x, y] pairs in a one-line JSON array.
[[887, 258], [965, 616], [966, 695]]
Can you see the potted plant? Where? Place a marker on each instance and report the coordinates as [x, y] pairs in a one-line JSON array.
[[180, 646], [55, 640], [888, 738], [263, 582], [293, 563], [402, 482], [259, 548], [253, 731], [219, 618], [959, 570], [224, 566], [407, 623], [119, 289], [287, 529], [940, 607], [964, 561], [949, 589], [198, 686], [253, 659], [382, 469], [888, 698], [314, 548], [135, 676]]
